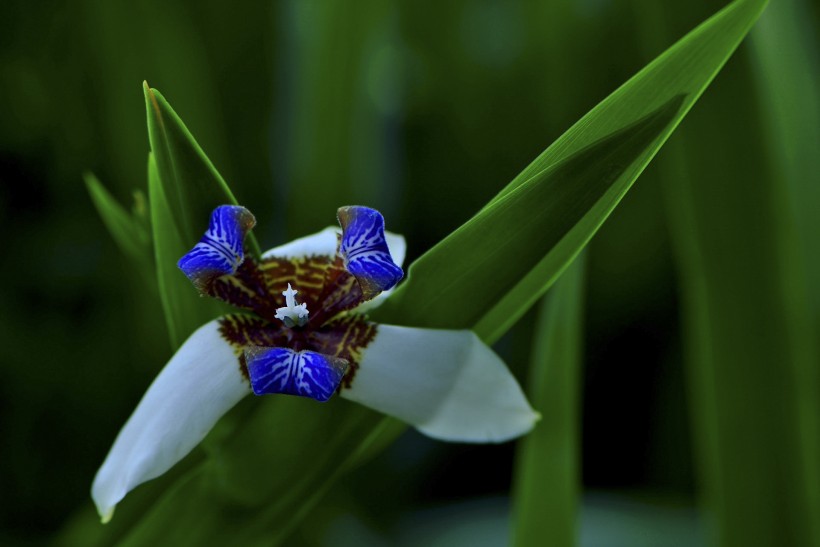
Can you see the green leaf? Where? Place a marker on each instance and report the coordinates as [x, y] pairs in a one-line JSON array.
[[560, 200], [789, 82], [750, 337], [547, 471], [751, 345], [499, 253], [130, 234], [192, 185], [184, 309]]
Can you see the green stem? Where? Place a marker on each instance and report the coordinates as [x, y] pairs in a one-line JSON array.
[[547, 477]]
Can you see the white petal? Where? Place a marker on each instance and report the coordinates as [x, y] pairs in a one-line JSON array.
[[397, 246], [324, 244], [200, 383], [321, 243], [446, 383]]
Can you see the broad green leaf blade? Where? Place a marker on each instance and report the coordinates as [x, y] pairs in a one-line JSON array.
[[192, 185], [547, 472], [131, 235], [642, 113], [184, 309], [521, 227]]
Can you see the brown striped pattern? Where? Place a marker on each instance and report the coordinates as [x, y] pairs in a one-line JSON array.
[[305, 274], [345, 338], [322, 283]]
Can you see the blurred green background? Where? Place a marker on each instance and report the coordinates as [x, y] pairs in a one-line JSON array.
[[702, 293]]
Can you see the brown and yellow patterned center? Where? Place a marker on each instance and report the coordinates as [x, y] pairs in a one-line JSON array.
[[322, 283]]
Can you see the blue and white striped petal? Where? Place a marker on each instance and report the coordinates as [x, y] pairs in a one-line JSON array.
[[365, 250], [326, 243], [302, 373], [221, 250], [447, 383]]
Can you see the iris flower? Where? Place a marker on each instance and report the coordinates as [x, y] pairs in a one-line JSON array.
[[303, 331]]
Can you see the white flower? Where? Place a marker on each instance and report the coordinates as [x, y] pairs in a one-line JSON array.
[[446, 383]]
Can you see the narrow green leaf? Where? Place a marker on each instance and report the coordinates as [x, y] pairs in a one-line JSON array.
[[184, 310], [786, 69], [750, 339], [129, 233], [628, 128], [191, 184], [520, 228], [547, 472], [785, 46], [687, 68], [751, 355]]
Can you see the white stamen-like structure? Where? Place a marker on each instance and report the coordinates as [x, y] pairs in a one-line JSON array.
[[292, 314]]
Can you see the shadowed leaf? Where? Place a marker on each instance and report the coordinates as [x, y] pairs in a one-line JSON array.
[[131, 235], [185, 310], [192, 185], [547, 471]]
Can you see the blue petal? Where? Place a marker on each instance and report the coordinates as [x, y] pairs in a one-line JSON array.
[[302, 373], [365, 251], [220, 251]]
